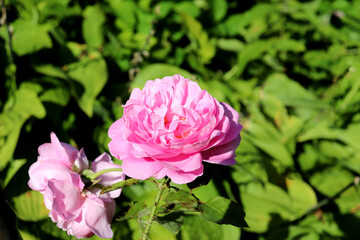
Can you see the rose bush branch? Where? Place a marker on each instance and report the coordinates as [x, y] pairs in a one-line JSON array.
[[118, 185], [161, 186]]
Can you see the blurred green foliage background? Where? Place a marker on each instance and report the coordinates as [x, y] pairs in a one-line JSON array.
[[291, 67]]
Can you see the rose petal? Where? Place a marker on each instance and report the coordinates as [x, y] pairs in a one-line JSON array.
[[81, 162], [98, 215], [65, 152], [183, 162], [41, 171], [222, 154], [235, 126], [78, 228], [67, 198], [181, 177], [140, 168]]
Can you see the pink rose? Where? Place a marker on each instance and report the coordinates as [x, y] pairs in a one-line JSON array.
[[56, 174], [170, 127]]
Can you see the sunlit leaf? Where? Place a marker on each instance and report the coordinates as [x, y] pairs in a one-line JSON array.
[[92, 26], [29, 206], [29, 37]]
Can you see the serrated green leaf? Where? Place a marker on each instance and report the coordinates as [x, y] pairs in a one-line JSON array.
[[135, 209], [177, 200], [196, 227], [172, 222], [223, 211]]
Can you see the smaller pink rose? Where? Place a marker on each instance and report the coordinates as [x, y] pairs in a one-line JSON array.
[[79, 211]]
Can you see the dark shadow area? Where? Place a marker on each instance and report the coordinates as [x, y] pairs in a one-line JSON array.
[[349, 224], [8, 229]]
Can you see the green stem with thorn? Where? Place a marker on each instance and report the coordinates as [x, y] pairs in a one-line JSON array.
[[153, 210]]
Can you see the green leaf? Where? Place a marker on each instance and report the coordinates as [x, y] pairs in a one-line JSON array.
[[290, 92], [317, 131], [92, 28], [308, 159], [157, 70], [59, 94], [135, 209], [14, 166], [206, 192], [51, 71], [265, 204], [188, 7], [24, 104], [146, 191], [349, 201], [157, 231], [331, 180], [172, 222], [301, 195], [218, 9], [177, 200], [89, 78], [230, 44], [29, 37], [29, 206], [28, 103], [44, 229], [351, 136], [8, 144], [262, 138], [196, 227], [249, 53], [27, 236], [223, 211]]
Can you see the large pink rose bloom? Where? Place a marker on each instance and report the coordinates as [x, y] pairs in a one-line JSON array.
[[79, 211], [170, 127]]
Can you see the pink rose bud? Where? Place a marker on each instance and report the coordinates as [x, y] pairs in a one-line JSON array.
[[170, 127], [79, 211]]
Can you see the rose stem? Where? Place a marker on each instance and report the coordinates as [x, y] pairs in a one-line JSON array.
[[95, 175], [155, 205]]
